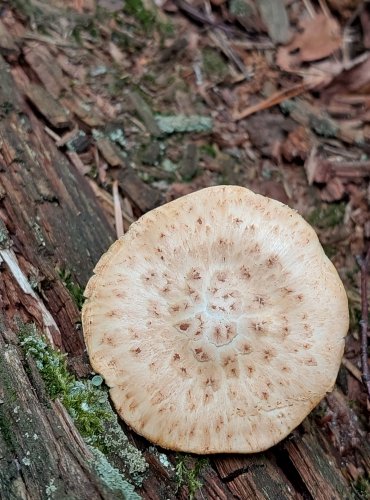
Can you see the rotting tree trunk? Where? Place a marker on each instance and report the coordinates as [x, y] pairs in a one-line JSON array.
[[53, 222]]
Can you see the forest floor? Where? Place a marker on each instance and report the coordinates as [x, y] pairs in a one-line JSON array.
[[151, 102]]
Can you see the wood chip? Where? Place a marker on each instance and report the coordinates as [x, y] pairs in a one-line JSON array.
[[145, 113], [75, 159], [83, 111], [110, 152], [142, 195], [49, 107], [7, 45], [45, 67]]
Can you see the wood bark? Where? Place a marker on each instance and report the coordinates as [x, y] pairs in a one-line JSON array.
[[52, 221]]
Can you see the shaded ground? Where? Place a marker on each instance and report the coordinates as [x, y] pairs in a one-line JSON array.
[[171, 99]]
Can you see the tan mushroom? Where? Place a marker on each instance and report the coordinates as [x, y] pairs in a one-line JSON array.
[[217, 321]]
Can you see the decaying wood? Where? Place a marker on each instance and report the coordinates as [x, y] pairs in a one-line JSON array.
[[7, 44], [54, 223], [48, 106], [39, 446], [364, 265]]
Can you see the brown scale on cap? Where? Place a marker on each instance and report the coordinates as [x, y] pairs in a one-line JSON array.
[[217, 321]]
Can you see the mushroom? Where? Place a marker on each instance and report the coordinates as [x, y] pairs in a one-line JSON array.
[[217, 321]]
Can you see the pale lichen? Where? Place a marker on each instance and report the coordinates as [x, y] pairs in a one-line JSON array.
[[50, 488], [181, 123], [5, 241], [111, 477]]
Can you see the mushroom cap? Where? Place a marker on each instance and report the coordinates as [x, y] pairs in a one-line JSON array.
[[217, 321]]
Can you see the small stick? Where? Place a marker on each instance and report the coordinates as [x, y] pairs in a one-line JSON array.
[[117, 210], [324, 8], [274, 99], [220, 39], [353, 370], [52, 134], [364, 268], [309, 8]]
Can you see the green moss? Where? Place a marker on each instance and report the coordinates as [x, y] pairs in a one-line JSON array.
[[86, 402], [327, 216], [74, 288], [208, 150], [323, 126], [330, 250], [214, 65], [85, 25], [166, 29], [362, 487], [27, 8], [188, 470], [145, 17]]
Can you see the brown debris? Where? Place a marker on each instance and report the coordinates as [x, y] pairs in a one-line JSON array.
[[58, 116], [7, 45], [145, 113], [275, 99], [110, 152], [355, 80], [87, 113], [297, 145], [47, 70], [305, 47], [142, 195]]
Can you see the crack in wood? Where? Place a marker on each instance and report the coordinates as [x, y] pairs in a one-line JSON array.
[[238, 472]]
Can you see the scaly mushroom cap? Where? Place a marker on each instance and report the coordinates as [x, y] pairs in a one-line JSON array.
[[217, 321]]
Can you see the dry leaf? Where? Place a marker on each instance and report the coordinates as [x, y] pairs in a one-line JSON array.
[[321, 36], [297, 144], [355, 80]]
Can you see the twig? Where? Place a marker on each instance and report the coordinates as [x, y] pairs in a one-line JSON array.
[[254, 44], [275, 99], [364, 268], [52, 134], [353, 370], [49, 40], [220, 39], [309, 8], [325, 8], [117, 210], [203, 18]]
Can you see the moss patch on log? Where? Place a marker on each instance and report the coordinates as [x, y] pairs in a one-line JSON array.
[[86, 402], [188, 470]]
